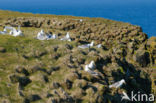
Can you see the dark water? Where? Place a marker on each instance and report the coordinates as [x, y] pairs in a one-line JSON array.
[[138, 12]]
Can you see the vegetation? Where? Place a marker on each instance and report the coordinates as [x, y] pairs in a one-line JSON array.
[[52, 71]]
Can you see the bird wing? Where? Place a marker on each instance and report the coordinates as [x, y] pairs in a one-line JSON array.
[[83, 46], [7, 27], [116, 85], [93, 73]]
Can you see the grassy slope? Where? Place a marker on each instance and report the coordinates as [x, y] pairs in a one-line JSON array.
[[16, 47]]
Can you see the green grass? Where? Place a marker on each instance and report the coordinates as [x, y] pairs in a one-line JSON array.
[[29, 52]]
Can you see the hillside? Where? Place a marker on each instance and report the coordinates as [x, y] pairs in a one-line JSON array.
[[52, 71]]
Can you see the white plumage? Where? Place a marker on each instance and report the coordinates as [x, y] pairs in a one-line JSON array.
[[99, 46], [67, 37], [86, 68], [117, 84], [4, 31], [50, 36], [15, 32], [86, 45], [81, 20], [89, 68], [92, 65], [54, 36], [41, 35]]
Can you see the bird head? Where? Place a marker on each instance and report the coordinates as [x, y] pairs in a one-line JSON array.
[[4, 29], [92, 43], [42, 31], [92, 62], [91, 65], [86, 68], [19, 28], [67, 35], [123, 81]]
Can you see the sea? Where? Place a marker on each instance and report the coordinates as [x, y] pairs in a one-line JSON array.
[[137, 12]]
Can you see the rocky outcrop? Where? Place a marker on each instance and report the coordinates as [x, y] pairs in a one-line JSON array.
[[53, 71]]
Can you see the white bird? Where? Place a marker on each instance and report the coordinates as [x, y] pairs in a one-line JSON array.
[[117, 84], [125, 96], [54, 36], [11, 32], [89, 68], [81, 20], [86, 68], [15, 32], [10, 28], [67, 37], [86, 45], [99, 46], [41, 35], [4, 31], [51, 36], [91, 65]]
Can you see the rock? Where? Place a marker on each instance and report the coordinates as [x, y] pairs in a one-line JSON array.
[[151, 46], [142, 57]]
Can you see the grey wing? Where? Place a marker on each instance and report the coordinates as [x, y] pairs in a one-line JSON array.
[[93, 73], [7, 27]]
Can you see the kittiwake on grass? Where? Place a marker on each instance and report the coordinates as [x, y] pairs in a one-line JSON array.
[[117, 84], [66, 38], [87, 45], [89, 68]]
